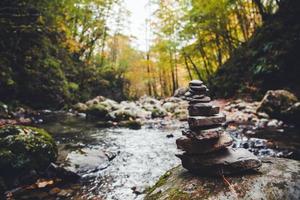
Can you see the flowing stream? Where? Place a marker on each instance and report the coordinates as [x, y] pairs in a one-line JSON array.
[[119, 163]]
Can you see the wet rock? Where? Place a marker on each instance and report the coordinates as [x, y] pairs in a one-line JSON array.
[[170, 136], [66, 175], [275, 102], [97, 112], [132, 124], [25, 148], [281, 182], [138, 190]]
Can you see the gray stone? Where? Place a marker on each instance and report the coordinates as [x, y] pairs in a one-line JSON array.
[[199, 110], [195, 83], [228, 161], [203, 121], [204, 134], [277, 179], [205, 99], [195, 146]]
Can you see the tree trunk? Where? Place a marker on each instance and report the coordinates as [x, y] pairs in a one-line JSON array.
[[187, 67], [195, 68]]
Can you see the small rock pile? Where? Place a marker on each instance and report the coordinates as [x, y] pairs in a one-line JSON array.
[[205, 144]]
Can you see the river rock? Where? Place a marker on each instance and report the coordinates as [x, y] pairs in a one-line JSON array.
[[203, 134], [203, 109], [195, 146], [275, 102], [276, 179], [202, 121]]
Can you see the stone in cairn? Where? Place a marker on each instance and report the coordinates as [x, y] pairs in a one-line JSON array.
[[205, 144]]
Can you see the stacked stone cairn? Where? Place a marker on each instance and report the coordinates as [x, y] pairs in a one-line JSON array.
[[205, 144]]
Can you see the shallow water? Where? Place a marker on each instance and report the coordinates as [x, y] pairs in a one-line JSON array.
[[138, 157], [119, 163]]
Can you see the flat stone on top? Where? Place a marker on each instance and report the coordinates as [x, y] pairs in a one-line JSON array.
[[196, 82], [200, 121]]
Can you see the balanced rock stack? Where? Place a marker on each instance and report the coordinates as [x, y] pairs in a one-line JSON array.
[[205, 144]]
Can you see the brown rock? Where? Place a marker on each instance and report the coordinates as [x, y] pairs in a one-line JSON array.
[[213, 133], [195, 146], [229, 161], [203, 110], [203, 121], [205, 99]]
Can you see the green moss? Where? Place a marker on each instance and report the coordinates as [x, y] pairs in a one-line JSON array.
[[131, 124], [25, 148], [162, 180], [176, 194]]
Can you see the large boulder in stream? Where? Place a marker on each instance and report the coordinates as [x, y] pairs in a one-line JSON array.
[[97, 111], [25, 148], [276, 102], [276, 179]]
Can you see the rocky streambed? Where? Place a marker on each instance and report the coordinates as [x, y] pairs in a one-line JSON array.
[[122, 163]]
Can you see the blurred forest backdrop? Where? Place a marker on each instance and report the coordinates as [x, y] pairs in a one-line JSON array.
[[57, 52]]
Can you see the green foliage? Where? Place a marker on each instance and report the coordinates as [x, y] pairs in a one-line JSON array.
[[269, 60]]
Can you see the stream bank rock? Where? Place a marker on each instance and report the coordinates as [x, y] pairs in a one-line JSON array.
[[276, 179], [279, 104], [25, 148]]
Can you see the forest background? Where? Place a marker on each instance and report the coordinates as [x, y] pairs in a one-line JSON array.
[[59, 52]]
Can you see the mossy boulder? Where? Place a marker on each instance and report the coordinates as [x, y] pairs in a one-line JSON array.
[[122, 115], [131, 124], [97, 111], [25, 148], [158, 113], [281, 182], [80, 107], [275, 102]]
